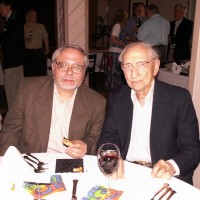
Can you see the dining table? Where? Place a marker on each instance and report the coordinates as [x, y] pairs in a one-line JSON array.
[[137, 184], [172, 78]]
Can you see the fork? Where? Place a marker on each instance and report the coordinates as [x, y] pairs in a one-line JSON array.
[[39, 166], [165, 185], [39, 162], [36, 170]]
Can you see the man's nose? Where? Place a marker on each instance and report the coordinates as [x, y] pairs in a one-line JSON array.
[[134, 73]]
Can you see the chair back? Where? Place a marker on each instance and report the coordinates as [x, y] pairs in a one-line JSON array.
[[104, 62], [92, 63]]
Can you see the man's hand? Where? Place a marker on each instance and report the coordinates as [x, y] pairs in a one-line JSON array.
[[163, 169], [120, 171], [77, 149]]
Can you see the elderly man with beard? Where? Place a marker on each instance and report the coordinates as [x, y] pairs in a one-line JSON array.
[[47, 109]]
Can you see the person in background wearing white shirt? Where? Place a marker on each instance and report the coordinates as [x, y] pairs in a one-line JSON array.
[[153, 123], [155, 30], [47, 109]]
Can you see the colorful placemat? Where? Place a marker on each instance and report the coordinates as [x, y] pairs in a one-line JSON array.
[[99, 192], [42, 190]]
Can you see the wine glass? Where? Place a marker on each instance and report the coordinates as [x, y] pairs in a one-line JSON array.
[[108, 159]]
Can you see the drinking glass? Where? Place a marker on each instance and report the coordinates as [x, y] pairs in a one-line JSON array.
[[108, 159]]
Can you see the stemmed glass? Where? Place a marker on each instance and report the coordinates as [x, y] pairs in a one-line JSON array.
[[108, 159]]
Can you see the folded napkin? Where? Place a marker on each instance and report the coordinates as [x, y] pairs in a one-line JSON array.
[[100, 192], [14, 170], [176, 68]]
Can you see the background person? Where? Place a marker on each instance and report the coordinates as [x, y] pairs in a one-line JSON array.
[[35, 37], [181, 34], [134, 23], [155, 31], [49, 108], [114, 78], [13, 49], [153, 123]]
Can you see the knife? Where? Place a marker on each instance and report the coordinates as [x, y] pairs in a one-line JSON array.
[[75, 181], [35, 183]]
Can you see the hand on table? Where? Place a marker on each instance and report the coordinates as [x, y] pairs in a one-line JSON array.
[[77, 149], [163, 169], [120, 170]]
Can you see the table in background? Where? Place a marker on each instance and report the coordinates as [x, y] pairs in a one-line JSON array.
[[137, 184], [172, 78]]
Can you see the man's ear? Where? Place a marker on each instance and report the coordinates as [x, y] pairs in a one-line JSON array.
[[156, 66]]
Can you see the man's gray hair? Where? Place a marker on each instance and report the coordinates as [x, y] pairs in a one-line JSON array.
[[143, 45], [181, 6], [58, 51], [153, 8]]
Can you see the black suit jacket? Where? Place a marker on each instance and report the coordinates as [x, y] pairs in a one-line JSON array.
[[182, 39], [174, 132], [13, 42]]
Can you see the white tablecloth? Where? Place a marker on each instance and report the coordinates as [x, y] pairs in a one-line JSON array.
[[137, 184], [172, 78]]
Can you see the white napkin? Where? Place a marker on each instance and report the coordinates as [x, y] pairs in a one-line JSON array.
[[14, 170], [176, 68]]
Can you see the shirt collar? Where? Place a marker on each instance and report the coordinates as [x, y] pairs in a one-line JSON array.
[[68, 101], [149, 96], [8, 15]]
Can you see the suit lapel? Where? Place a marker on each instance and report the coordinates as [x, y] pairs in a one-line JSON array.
[[79, 117], [124, 115], [43, 106], [160, 110]]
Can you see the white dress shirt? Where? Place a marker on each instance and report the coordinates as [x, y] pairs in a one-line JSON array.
[[177, 23], [139, 147], [60, 121]]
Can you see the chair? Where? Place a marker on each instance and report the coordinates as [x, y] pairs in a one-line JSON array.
[[104, 64], [91, 69]]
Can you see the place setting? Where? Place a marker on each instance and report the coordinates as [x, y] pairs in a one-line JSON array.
[[62, 177]]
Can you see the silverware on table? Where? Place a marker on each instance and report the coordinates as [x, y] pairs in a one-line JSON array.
[[167, 190], [39, 162], [39, 166], [160, 190], [75, 181], [36, 170], [171, 194], [36, 183]]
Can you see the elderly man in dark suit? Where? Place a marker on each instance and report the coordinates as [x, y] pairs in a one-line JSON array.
[[153, 123], [181, 34], [47, 109]]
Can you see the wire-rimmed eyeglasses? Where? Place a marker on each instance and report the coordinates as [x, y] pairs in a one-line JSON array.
[[140, 66], [64, 66]]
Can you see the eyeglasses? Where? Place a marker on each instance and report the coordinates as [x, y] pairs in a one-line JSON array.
[[140, 66], [64, 66]]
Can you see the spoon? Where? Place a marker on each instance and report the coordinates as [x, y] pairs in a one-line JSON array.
[[36, 170]]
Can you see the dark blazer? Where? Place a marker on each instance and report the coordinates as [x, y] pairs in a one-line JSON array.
[[27, 123], [182, 39], [174, 132], [13, 42]]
